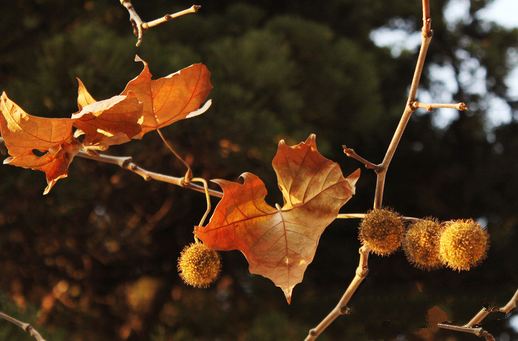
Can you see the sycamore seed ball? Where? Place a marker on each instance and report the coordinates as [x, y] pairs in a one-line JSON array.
[[421, 244], [463, 244], [382, 231], [198, 265]]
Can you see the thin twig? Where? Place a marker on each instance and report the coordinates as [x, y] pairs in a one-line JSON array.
[[477, 319], [341, 308], [476, 331], [431, 106], [140, 27], [407, 113], [351, 153], [169, 17], [25, 326], [126, 162], [362, 215], [480, 316]]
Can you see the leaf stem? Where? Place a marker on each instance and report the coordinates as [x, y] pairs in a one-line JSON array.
[[207, 195], [188, 175], [25, 326]]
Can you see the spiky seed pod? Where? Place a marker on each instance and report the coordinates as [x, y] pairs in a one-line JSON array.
[[198, 265], [421, 244], [382, 231], [463, 244]]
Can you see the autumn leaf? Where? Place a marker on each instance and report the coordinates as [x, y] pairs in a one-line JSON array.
[[50, 137], [108, 122], [171, 98], [279, 243], [83, 96]]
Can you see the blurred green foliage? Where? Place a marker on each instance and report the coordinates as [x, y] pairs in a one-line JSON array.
[[97, 256]]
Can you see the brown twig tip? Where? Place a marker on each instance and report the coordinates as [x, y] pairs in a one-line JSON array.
[[351, 153]]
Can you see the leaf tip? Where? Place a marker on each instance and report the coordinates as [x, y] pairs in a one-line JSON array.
[[287, 293]]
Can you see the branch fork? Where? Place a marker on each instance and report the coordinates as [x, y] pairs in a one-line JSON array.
[[140, 27]]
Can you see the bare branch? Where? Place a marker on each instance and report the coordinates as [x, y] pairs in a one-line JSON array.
[[351, 216], [481, 315], [351, 153], [25, 326], [140, 27], [431, 106], [381, 170], [168, 17], [341, 308], [476, 331], [407, 113], [126, 162], [362, 215]]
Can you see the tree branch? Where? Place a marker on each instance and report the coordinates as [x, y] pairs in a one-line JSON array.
[[381, 171], [480, 316], [25, 326], [426, 37], [430, 107], [140, 27], [126, 162], [351, 153], [341, 308]]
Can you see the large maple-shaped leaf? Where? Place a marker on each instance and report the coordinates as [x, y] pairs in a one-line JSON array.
[[108, 122], [171, 98], [279, 243], [51, 137]]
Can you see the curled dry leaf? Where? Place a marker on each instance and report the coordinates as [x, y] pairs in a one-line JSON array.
[[279, 243], [108, 122], [25, 134], [171, 98]]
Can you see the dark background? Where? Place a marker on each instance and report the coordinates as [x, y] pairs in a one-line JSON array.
[[96, 258]]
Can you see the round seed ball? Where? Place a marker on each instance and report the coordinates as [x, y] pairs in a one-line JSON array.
[[421, 244], [382, 231], [198, 265], [463, 244]]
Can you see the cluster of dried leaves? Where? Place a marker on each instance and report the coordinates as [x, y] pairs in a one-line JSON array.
[[50, 144]]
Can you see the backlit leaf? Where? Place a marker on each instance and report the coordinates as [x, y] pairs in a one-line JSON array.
[[171, 98], [279, 243], [50, 138]]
